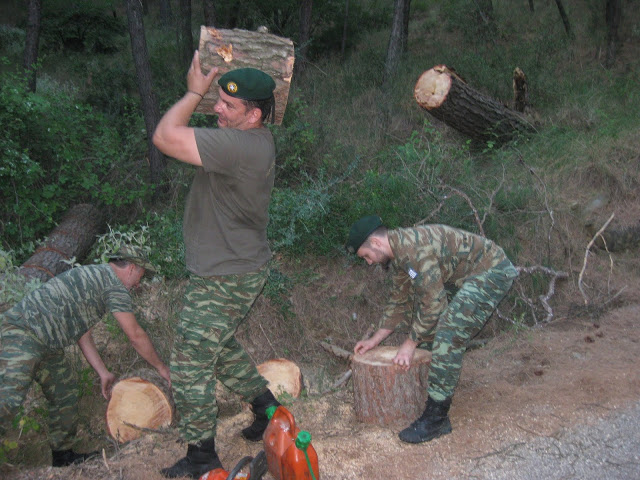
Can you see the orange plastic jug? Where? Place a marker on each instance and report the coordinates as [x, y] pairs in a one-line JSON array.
[[279, 435], [300, 461], [222, 474]]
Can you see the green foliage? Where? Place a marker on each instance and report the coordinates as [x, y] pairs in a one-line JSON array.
[[112, 241], [278, 291], [13, 286], [167, 244]]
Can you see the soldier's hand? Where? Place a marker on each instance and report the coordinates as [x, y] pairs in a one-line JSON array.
[[106, 382], [405, 354], [364, 346], [164, 373]]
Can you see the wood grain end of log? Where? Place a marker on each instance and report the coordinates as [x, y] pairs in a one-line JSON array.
[[432, 88], [283, 375]]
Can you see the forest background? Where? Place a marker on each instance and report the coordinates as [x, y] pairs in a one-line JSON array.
[[353, 142]]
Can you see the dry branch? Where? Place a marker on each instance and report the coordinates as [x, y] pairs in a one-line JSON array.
[[337, 351], [586, 255], [544, 299]]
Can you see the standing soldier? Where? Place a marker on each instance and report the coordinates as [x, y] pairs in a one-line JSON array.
[[427, 261], [34, 333], [225, 236]]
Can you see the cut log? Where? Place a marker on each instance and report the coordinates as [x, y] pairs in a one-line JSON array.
[[520, 91], [384, 393], [448, 98], [232, 49], [283, 376], [73, 237], [139, 403]]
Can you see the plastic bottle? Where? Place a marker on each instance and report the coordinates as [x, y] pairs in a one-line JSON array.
[[222, 474], [279, 435], [300, 461]]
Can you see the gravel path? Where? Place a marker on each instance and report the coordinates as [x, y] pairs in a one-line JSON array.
[[608, 450]]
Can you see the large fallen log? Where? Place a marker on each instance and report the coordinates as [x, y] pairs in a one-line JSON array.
[[140, 402], [72, 238], [384, 393], [450, 99], [232, 49]]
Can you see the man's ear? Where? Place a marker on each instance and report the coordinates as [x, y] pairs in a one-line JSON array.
[[375, 242], [255, 115]]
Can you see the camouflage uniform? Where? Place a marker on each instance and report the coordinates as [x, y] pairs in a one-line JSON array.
[[205, 349], [429, 262], [34, 333]]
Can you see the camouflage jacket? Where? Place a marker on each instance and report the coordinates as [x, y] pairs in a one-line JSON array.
[[67, 306], [428, 261]]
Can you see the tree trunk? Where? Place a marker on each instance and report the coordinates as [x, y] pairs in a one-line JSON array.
[[72, 238], [304, 37], [209, 7], [520, 91], [157, 161], [231, 49], [394, 48], [405, 25], [165, 13], [613, 16], [345, 29], [565, 18], [283, 375], [139, 402], [448, 98], [385, 394], [185, 35], [531, 7], [31, 43]]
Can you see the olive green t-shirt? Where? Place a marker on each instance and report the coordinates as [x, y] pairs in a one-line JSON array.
[[226, 214], [67, 306]]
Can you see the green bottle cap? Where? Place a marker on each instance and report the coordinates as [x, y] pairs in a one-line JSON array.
[[303, 440], [271, 410]]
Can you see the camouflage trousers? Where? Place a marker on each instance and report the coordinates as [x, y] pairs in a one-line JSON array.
[[464, 317], [23, 359], [205, 349]]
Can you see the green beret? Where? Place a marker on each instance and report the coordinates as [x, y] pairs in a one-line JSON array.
[[361, 230], [135, 255], [247, 84]]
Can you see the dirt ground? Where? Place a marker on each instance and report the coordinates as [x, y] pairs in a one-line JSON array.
[[522, 384]]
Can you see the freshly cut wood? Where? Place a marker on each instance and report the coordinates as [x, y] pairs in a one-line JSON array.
[[283, 375], [448, 98], [385, 394], [139, 403], [73, 237], [232, 49]]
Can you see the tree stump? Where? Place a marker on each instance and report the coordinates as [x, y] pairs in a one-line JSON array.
[[72, 238], [283, 376], [385, 394], [139, 403], [232, 49], [448, 98]]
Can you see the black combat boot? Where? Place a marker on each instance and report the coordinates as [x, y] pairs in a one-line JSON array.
[[433, 423], [64, 458], [259, 406], [199, 460]]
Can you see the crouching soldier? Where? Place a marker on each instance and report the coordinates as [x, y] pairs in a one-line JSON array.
[[427, 261], [34, 333]]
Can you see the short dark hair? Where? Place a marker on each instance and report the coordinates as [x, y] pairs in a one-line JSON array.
[[381, 231], [267, 107]]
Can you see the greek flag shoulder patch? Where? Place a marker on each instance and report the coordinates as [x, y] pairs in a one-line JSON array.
[[412, 273]]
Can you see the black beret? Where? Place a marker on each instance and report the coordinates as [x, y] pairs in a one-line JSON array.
[[361, 230]]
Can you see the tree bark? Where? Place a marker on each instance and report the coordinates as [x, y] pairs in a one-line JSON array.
[[448, 98], [283, 375], [185, 35], [613, 17], [150, 110], [165, 13], [565, 18], [520, 91], [139, 402], [531, 6], [405, 25], [31, 43], [304, 36], [394, 48], [231, 49], [385, 394], [72, 238], [209, 7]]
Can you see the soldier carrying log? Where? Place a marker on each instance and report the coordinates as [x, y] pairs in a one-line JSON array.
[[34, 333], [428, 261]]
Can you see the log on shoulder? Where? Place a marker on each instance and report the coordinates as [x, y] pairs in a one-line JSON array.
[[385, 394], [232, 49], [73, 237], [450, 99], [140, 402], [283, 375]]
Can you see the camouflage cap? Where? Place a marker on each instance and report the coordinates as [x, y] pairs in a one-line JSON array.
[[247, 84], [135, 255], [361, 230]]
